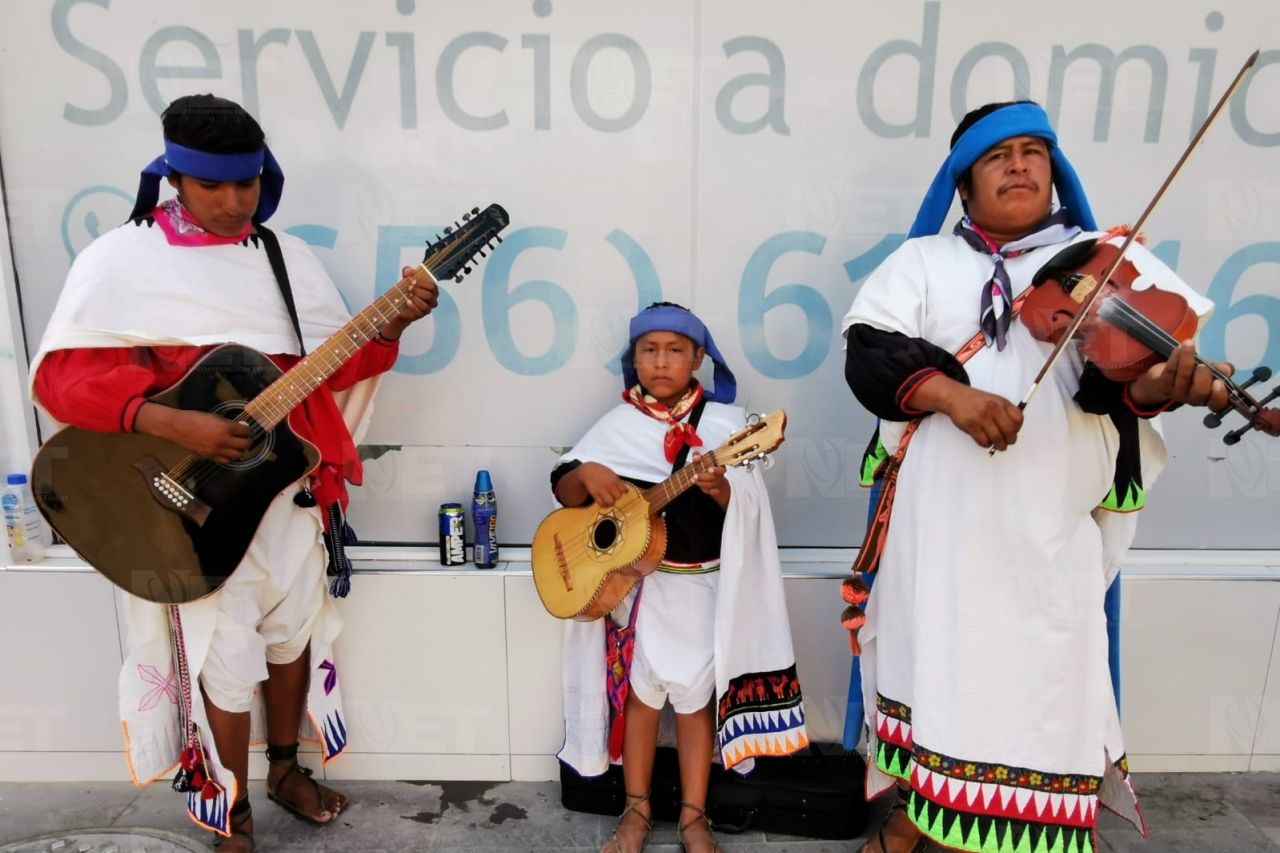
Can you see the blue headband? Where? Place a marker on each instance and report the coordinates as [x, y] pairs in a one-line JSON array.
[[212, 167], [667, 318], [992, 129]]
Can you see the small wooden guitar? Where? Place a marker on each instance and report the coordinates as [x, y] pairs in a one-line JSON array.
[[171, 527], [586, 559]]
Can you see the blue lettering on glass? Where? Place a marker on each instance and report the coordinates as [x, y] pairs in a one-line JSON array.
[[648, 286], [84, 207], [1213, 337], [392, 241], [498, 299], [314, 235], [862, 266], [1168, 252], [753, 304]]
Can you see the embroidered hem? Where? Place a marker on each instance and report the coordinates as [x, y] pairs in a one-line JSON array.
[[981, 806]]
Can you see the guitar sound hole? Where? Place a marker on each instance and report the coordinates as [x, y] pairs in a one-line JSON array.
[[605, 534]]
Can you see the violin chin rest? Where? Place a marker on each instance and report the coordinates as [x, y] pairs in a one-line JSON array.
[[1066, 262]]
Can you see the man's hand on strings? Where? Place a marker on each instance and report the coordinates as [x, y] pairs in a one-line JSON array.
[[424, 294], [713, 483], [208, 436], [1181, 380]]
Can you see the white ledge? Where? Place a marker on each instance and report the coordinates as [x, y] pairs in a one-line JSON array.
[[1144, 564]]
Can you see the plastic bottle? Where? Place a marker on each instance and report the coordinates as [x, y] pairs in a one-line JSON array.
[[484, 512], [22, 525]]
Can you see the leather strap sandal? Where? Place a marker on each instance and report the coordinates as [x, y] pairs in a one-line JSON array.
[[288, 756], [241, 838], [633, 803], [700, 814], [899, 805]]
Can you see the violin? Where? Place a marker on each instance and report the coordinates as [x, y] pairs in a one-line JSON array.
[[1126, 331]]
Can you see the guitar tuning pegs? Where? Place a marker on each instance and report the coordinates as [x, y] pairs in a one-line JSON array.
[[466, 270], [458, 279], [475, 210], [753, 419], [766, 462], [466, 217], [497, 237], [448, 229], [482, 254]]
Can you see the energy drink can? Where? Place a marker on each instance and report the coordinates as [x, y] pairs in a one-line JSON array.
[[453, 546]]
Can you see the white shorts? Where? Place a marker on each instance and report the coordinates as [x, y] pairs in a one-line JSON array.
[[269, 605], [675, 641]]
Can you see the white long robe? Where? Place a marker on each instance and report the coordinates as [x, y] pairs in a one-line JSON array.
[[985, 639], [751, 634]]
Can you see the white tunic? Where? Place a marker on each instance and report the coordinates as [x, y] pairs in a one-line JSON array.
[[986, 619]]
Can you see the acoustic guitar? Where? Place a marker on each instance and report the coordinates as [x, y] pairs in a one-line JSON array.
[[586, 559], [171, 527]]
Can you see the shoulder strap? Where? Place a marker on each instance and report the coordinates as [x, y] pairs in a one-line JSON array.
[[695, 415], [276, 258]]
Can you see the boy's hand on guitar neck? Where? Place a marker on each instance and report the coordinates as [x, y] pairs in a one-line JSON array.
[[209, 436], [590, 482], [713, 483]]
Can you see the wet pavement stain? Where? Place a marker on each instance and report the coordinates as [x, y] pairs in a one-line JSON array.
[[505, 812], [459, 795]]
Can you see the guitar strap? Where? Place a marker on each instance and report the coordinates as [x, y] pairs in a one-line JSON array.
[[276, 258], [620, 641], [337, 533]]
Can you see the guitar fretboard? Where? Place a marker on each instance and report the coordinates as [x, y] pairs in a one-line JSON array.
[[675, 485], [275, 403]]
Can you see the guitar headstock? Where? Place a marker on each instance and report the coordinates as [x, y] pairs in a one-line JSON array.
[[452, 254], [761, 436]]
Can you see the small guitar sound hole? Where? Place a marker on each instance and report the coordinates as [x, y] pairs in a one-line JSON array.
[[605, 534]]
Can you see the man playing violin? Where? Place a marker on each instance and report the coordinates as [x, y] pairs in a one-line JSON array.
[[986, 681]]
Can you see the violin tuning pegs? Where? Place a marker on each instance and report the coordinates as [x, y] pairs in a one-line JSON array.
[[1213, 420], [1261, 373], [1230, 439]]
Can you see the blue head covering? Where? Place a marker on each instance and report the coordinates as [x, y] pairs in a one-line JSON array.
[[671, 318], [1014, 120], [212, 167]]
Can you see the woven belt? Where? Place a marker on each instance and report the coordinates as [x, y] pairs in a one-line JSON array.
[[672, 568]]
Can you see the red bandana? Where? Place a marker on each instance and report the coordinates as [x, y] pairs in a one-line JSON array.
[[679, 434]]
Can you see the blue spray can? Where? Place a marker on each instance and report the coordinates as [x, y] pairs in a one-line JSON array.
[[484, 512]]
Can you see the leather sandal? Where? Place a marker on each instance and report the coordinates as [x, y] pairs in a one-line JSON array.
[[700, 814], [633, 802], [899, 805], [240, 838], [288, 756]]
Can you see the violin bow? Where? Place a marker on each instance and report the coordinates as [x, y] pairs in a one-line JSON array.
[[1088, 304]]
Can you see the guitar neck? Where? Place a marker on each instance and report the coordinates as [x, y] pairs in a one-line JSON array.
[[275, 403], [678, 483]]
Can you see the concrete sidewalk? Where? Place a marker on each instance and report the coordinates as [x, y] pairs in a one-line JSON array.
[[1187, 813]]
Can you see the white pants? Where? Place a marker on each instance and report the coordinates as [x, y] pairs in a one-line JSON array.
[[269, 606], [675, 641]]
